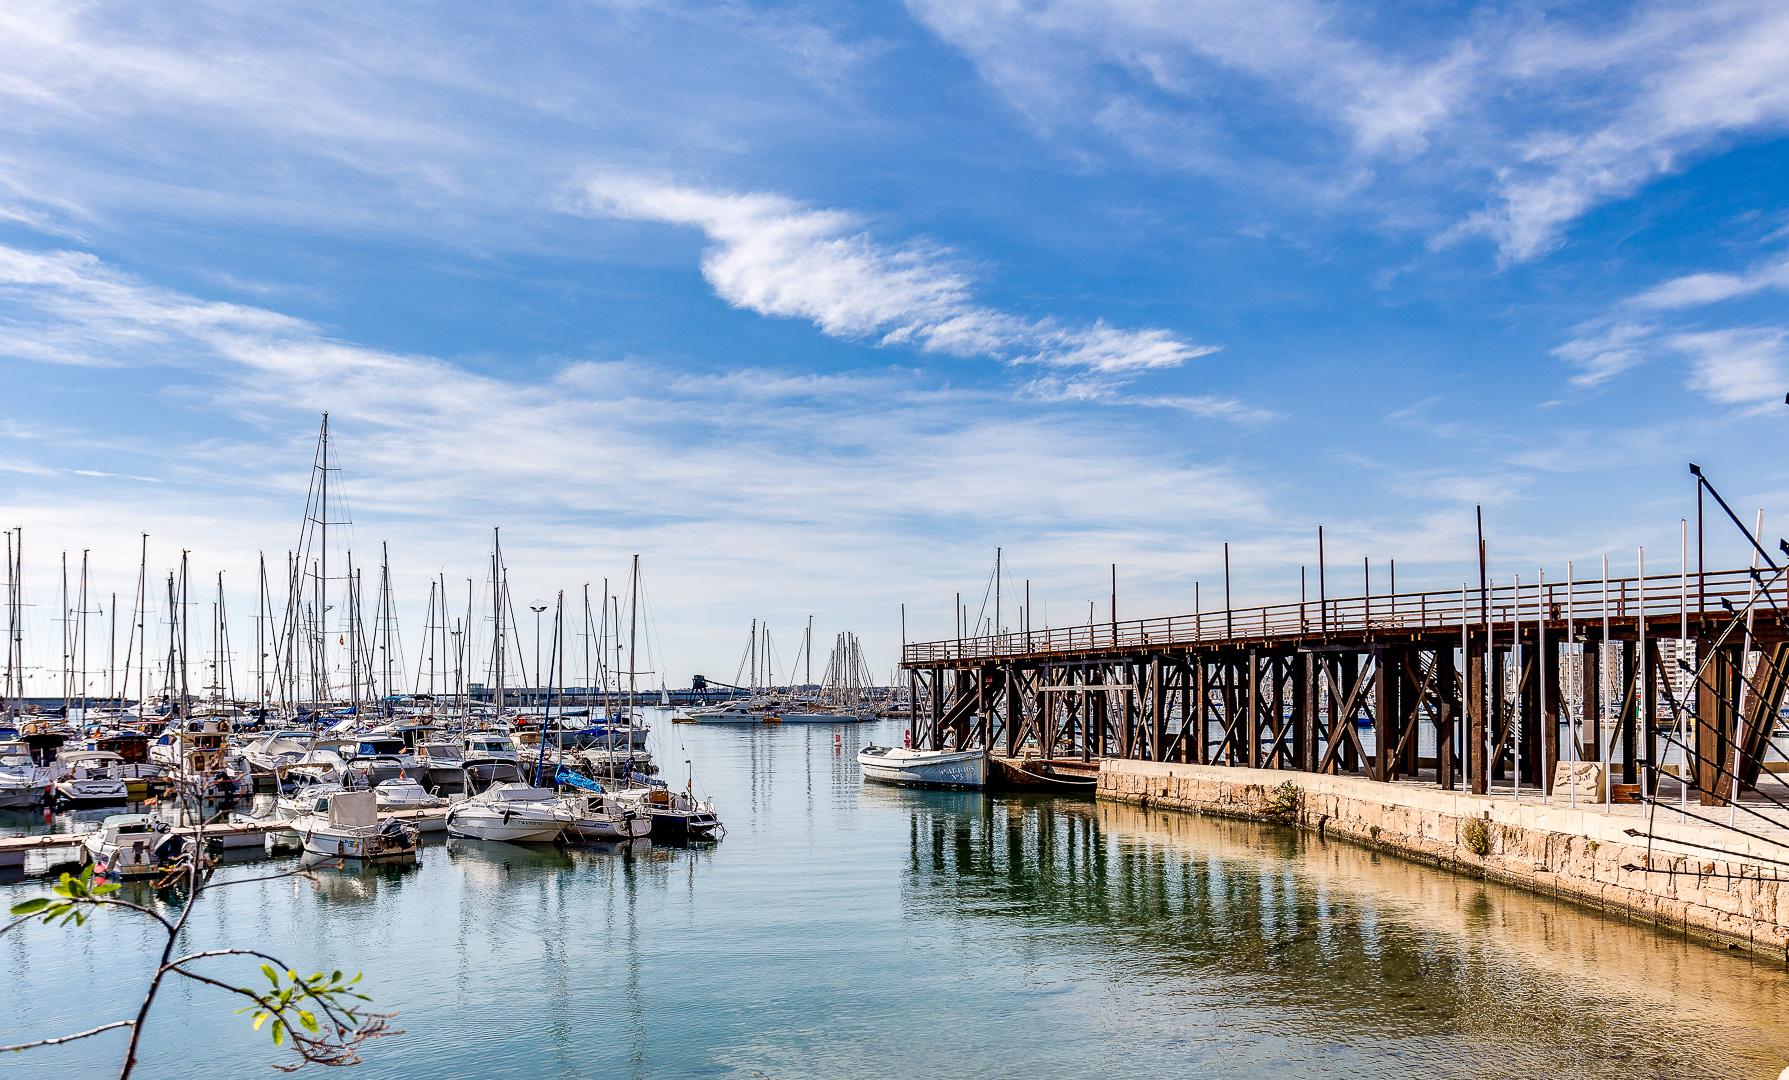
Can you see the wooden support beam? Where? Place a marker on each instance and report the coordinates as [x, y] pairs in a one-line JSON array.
[[1590, 693], [1447, 716], [1478, 764]]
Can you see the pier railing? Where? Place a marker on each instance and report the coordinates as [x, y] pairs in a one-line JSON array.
[[1695, 598]]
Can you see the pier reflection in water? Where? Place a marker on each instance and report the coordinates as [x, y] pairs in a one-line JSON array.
[[849, 931]]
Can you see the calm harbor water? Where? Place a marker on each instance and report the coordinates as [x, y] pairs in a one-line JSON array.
[[839, 931]]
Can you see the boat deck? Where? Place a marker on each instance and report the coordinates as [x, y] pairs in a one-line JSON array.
[[232, 836]]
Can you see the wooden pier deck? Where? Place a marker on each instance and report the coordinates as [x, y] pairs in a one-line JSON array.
[[1507, 682]]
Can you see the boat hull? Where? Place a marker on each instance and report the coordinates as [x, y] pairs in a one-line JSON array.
[[516, 829], [378, 847], [965, 769]]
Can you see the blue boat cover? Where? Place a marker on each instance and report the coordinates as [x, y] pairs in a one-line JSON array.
[[578, 780]]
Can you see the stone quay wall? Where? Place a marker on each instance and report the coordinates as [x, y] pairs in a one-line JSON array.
[[1582, 853]]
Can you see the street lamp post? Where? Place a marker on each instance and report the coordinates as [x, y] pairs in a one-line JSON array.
[[537, 609]]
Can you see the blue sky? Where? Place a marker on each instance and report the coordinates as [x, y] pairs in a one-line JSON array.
[[813, 308]]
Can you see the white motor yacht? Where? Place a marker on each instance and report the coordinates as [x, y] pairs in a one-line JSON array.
[[514, 812], [440, 763], [491, 746], [404, 794], [23, 782], [95, 778]]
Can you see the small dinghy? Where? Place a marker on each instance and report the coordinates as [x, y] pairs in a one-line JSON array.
[[924, 768]]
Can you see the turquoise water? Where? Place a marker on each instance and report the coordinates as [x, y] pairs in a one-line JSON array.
[[843, 931]]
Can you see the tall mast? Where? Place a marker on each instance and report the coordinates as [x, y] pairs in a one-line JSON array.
[[112, 651], [260, 631], [81, 623], [67, 653], [633, 626], [497, 609], [808, 648], [323, 562], [589, 672], [142, 629], [185, 688]]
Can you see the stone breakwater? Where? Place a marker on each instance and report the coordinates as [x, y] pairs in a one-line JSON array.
[[1582, 853]]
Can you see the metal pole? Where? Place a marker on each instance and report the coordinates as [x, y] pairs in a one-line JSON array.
[[1602, 673], [1515, 657], [1322, 584], [1571, 636], [1228, 631], [1642, 707], [1744, 684]]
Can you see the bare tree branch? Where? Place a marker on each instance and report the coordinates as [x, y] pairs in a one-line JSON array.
[[60, 1039]]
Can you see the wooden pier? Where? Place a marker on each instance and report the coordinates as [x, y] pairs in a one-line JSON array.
[[1511, 681]]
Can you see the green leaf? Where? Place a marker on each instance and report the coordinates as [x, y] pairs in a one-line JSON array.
[[107, 890], [272, 976], [32, 906], [279, 1032], [260, 1018], [308, 1019]]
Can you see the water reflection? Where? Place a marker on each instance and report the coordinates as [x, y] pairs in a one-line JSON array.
[[1345, 948]]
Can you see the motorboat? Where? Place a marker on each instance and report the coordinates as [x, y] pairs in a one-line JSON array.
[[820, 714], [379, 757], [924, 768], [303, 801], [491, 746], [272, 752], [440, 763], [141, 776], [616, 762], [346, 825], [94, 778], [404, 793], [134, 846], [513, 812], [599, 817], [730, 713], [23, 782], [675, 815]]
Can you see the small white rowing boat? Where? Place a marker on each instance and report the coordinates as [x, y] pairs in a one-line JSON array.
[[924, 768]]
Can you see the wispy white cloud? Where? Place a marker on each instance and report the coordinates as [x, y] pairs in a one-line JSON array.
[[728, 479], [1747, 368], [1729, 365], [775, 256], [1544, 117], [1699, 290], [1603, 350], [1666, 86]]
